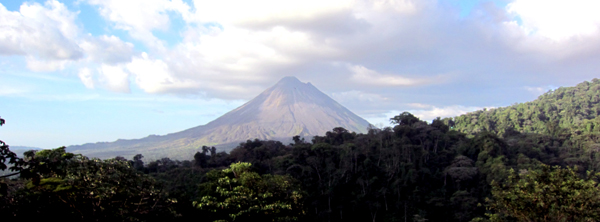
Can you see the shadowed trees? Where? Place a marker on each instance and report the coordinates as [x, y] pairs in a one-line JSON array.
[[72, 187]]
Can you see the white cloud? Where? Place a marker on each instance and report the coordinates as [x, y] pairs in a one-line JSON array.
[[535, 90], [446, 111], [255, 45], [49, 39], [419, 105], [557, 19], [249, 42], [114, 78], [238, 49], [400, 6], [357, 96], [154, 76], [261, 12], [141, 17], [232, 12], [539, 90], [368, 51], [363, 75], [223, 62], [381, 120], [43, 65], [107, 49], [86, 77], [149, 14], [47, 32]]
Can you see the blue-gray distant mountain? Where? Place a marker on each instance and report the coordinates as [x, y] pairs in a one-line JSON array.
[[19, 150], [287, 109]]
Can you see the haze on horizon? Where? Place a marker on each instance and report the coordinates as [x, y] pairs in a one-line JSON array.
[[79, 71]]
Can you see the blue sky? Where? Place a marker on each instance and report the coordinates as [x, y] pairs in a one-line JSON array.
[[82, 71]]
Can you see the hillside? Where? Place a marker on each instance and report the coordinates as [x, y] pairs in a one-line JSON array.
[[566, 111], [287, 109]]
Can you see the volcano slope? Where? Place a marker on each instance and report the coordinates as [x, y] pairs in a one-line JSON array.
[[287, 109]]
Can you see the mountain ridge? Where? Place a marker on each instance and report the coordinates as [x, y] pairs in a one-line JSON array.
[[286, 109]]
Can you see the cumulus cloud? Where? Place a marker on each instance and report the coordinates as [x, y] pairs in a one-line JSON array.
[[231, 46], [556, 19], [254, 12], [114, 78], [148, 15], [44, 65], [362, 75], [46, 33], [107, 49], [154, 76], [49, 39], [235, 52], [48, 36], [388, 54]]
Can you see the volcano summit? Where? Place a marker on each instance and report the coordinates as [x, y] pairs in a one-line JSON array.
[[287, 109]]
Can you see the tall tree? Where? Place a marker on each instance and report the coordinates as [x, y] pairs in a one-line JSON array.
[[546, 194], [7, 156], [239, 194]]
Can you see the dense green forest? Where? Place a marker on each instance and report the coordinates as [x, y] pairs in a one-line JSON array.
[[536, 161]]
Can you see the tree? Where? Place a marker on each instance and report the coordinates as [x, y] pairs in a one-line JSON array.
[[137, 163], [7, 155], [239, 194], [73, 187], [546, 194], [404, 118]]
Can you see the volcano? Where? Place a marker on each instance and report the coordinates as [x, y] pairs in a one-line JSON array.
[[287, 109]]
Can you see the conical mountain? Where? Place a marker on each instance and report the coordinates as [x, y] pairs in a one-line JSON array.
[[287, 109]]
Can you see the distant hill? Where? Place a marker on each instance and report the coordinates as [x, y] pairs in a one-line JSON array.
[[19, 150], [567, 111], [287, 109]]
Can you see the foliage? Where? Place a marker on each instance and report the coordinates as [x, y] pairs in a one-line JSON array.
[[566, 112], [546, 194], [242, 195], [15, 163], [74, 187]]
